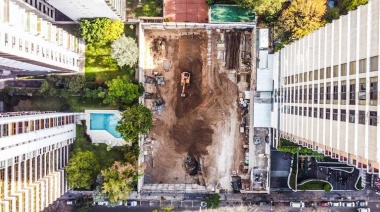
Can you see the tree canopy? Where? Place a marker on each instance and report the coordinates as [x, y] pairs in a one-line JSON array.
[[302, 17], [100, 29], [119, 180], [121, 90], [348, 5], [82, 169], [268, 7], [125, 51], [136, 120], [213, 201]]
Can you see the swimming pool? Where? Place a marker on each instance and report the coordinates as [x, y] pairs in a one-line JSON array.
[[105, 121]]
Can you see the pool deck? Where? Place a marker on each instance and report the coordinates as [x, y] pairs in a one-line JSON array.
[[102, 136]]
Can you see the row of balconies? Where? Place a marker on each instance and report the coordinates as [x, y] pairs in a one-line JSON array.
[[29, 22]]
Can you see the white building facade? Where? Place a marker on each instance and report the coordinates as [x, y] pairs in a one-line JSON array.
[[326, 89], [77, 9], [34, 151], [30, 42]]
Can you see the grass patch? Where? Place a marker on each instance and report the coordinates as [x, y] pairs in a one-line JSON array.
[[293, 175], [76, 104], [359, 184], [148, 8], [105, 158], [99, 63], [312, 185]]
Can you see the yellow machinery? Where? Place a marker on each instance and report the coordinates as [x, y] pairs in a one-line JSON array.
[[185, 81]]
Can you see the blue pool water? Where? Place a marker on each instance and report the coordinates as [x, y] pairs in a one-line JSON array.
[[104, 121]]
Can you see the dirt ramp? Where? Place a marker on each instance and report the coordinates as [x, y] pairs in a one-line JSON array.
[[192, 137]]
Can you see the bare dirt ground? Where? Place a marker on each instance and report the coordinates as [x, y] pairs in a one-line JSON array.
[[204, 124]]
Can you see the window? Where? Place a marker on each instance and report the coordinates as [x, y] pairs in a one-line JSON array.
[[316, 75], [296, 95], [335, 95], [343, 115], [374, 63], [296, 78], [310, 93], [328, 72], [292, 110], [311, 76], [321, 93], [335, 71], [373, 91], [296, 110], [335, 114], [352, 67], [321, 73], [343, 91], [362, 93], [305, 93], [316, 94], [321, 113], [310, 112], [361, 117], [328, 91], [315, 112], [343, 69], [305, 111], [328, 113], [362, 65], [352, 92], [373, 118], [305, 76], [351, 117]]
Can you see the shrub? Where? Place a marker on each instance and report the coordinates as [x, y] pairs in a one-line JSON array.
[[327, 187]]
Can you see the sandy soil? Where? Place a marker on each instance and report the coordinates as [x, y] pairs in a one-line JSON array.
[[204, 124]]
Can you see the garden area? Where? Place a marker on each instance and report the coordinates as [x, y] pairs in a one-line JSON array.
[[315, 185], [144, 8]]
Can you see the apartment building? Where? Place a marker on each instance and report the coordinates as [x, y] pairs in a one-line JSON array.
[[326, 89], [30, 42], [77, 9], [34, 149]]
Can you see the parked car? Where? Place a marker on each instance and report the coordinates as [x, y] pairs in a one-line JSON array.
[[361, 203], [348, 204], [364, 210], [297, 204], [131, 203], [335, 204], [106, 203], [325, 204], [70, 202]]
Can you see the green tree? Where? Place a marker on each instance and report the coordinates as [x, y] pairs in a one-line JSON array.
[[348, 5], [82, 169], [136, 120], [100, 29], [213, 201], [302, 17], [262, 7], [331, 14], [75, 84], [125, 51], [121, 90], [119, 180]]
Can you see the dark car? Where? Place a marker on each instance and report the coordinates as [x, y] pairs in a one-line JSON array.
[[325, 204], [361, 203]]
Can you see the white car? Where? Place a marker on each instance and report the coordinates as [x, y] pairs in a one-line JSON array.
[[336, 204], [364, 210], [297, 204], [131, 203], [348, 204], [106, 203]]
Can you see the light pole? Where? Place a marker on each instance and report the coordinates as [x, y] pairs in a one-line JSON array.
[[271, 203]]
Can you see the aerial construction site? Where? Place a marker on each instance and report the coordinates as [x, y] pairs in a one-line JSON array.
[[196, 83]]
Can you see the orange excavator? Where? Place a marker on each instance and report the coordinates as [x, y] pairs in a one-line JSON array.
[[185, 81]]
